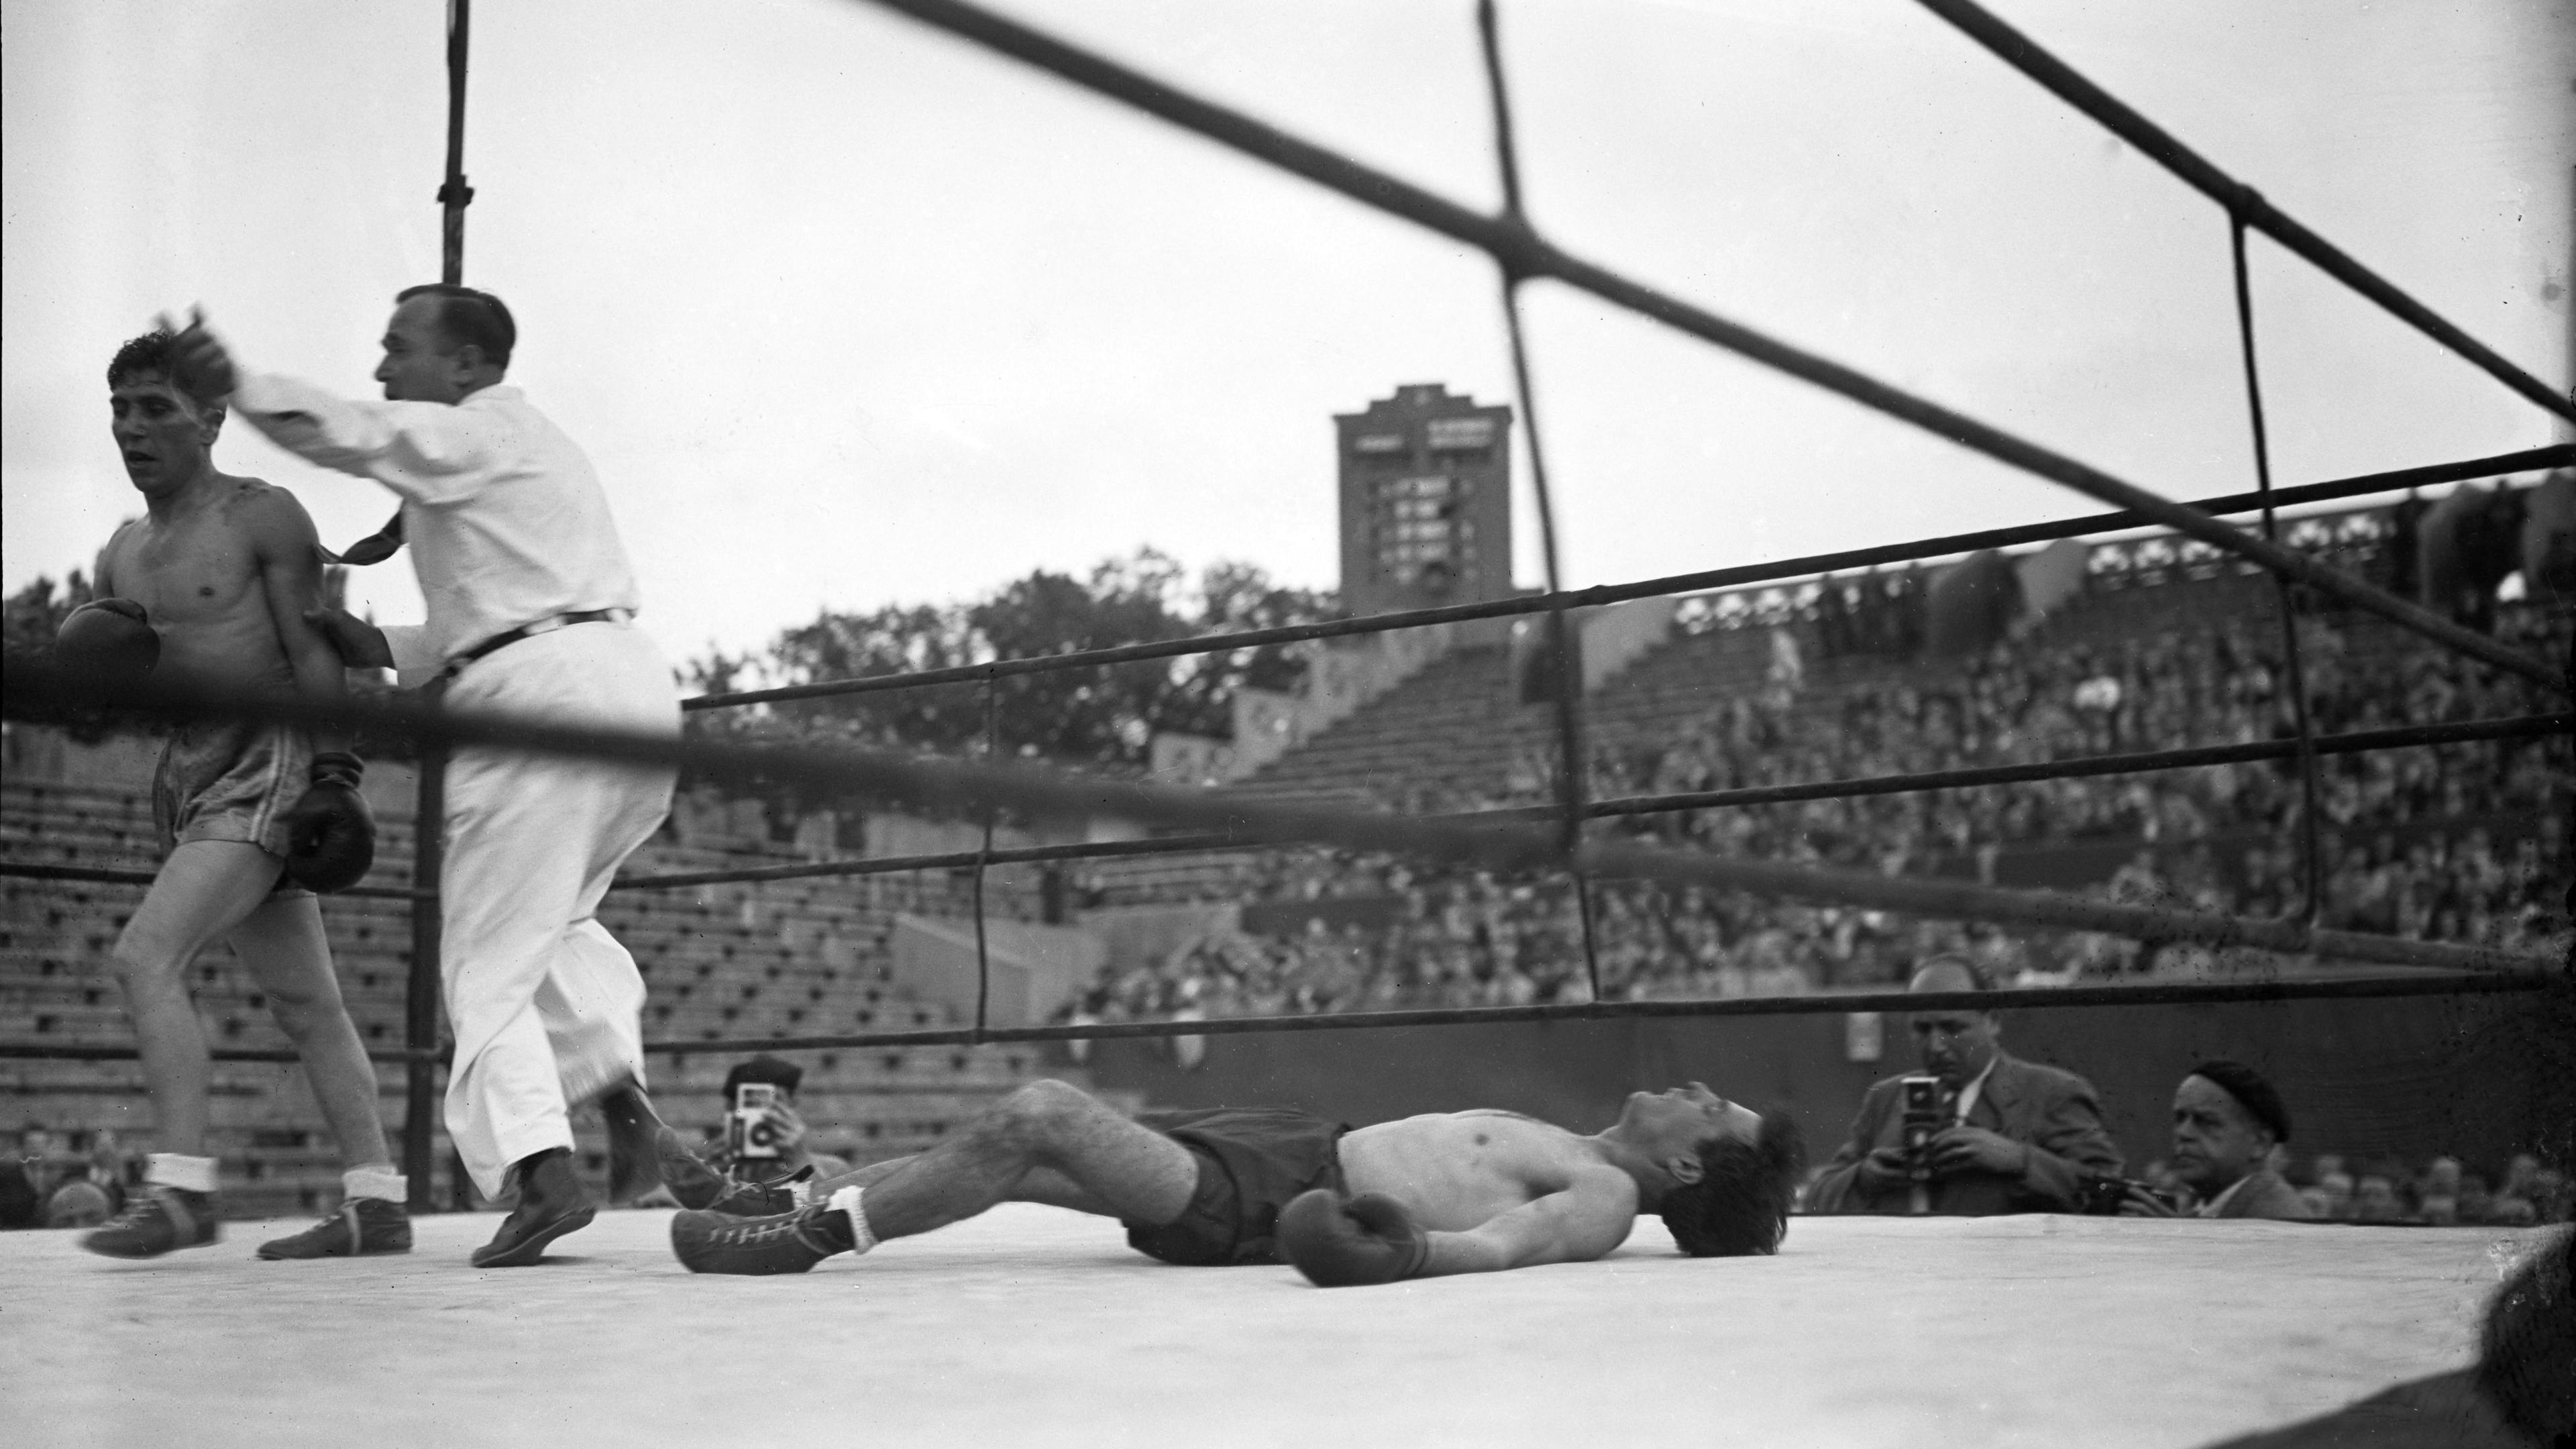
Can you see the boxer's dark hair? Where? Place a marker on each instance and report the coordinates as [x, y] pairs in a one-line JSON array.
[[1740, 1205], [466, 316], [151, 353]]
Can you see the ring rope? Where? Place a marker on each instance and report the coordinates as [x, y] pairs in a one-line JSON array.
[[2555, 455], [2468, 731], [2159, 993], [29, 690], [983, 860], [2241, 201], [1568, 701], [2312, 887], [1524, 253]]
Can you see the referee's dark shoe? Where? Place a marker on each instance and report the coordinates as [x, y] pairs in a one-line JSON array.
[[552, 1202], [634, 1163], [694, 1184]]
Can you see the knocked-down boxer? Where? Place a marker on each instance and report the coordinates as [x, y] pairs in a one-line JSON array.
[[1454, 1192]]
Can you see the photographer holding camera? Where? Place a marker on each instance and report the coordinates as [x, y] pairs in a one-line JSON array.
[[764, 1138], [2226, 1121], [1977, 1132]]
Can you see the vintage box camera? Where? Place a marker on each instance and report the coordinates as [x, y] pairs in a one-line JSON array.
[[1922, 1118], [751, 1130], [2101, 1196]]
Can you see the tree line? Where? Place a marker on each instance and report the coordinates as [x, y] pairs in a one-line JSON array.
[[1102, 716]]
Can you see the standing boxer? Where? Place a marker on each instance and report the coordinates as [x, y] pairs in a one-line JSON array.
[[212, 586], [530, 604]]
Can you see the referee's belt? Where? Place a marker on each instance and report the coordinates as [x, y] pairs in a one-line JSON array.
[[508, 637]]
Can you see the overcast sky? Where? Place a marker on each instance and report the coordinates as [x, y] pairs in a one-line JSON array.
[[848, 312]]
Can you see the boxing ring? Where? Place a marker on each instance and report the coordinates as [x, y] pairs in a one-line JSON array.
[[1033, 1326]]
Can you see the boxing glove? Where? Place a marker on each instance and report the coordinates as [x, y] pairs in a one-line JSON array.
[[108, 637], [330, 834], [1343, 1242]]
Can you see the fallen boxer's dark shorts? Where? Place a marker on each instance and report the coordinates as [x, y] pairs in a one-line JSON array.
[[1252, 1160]]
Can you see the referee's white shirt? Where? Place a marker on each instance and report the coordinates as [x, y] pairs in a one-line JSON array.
[[505, 519]]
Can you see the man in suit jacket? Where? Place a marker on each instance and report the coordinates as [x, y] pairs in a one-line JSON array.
[[2019, 1137], [2227, 1120]]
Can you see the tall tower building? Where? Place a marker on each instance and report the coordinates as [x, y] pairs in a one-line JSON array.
[[1426, 501]]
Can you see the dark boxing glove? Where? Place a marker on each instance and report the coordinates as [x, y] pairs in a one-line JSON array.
[[1342, 1242], [111, 637], [330, 834]]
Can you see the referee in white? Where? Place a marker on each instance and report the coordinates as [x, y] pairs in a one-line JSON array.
[[531, 605]]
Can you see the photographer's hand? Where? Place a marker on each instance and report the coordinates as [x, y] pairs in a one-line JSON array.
[[2140, 1203], [1882, 1171], [791, 1128], [1961, 1148]]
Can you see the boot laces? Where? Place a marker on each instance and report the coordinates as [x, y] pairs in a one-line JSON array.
[[769, 1230]]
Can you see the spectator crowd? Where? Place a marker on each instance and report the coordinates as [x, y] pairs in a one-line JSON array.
[[54, 1181], [2465, 843], [2441, 1191], [1974, 1130]]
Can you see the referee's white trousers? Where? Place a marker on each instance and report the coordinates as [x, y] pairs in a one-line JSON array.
[[546, 1005]]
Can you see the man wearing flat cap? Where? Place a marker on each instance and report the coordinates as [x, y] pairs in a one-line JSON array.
[[2226, 1121]]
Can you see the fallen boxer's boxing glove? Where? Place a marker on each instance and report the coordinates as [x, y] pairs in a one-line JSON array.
[[1343, 1242], [330, 834], [111, 637]]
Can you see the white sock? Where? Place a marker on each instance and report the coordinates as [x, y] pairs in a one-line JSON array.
[[846, 1203], [178, 1169], [377, 1180]]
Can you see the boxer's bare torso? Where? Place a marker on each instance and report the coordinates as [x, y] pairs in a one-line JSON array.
[[1458, 1170], [210, 574], [1495, 1189], [224, 566]]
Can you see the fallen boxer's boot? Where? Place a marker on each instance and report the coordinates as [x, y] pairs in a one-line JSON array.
[[709, 1242]]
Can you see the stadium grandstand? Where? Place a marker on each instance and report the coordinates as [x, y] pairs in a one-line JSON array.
[[1833, 680], [1823, 679], [2219, 822], [722, 961]]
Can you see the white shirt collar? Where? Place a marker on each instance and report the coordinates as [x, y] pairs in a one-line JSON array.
[[1968, 1095], [2210, 1208]]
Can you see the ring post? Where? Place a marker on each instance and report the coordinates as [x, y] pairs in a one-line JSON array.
[[420, 1005]]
